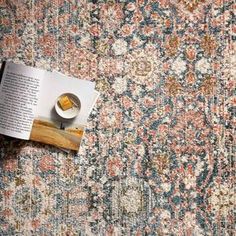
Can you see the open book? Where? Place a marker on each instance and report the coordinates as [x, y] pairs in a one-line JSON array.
[[44, 106]]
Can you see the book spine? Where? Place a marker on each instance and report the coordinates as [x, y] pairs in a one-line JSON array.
[[2, 70]]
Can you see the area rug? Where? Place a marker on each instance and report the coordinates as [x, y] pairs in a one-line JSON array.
[[157, 157]]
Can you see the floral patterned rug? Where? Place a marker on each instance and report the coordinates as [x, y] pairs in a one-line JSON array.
[[157, 158]]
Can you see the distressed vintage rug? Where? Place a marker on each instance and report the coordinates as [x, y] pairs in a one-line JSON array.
[[157, 158]]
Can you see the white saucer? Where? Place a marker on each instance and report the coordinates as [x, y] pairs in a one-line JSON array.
[[72, 112]]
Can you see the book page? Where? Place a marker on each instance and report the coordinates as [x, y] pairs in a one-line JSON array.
[[63, 110], [88, 107], [19, 93], [96, 95]]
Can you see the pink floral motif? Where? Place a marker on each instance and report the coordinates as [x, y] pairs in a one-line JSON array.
[[83, 65], [191, 53], [95, 30], [47, 163], [110, 66], [114, 166], [7, 212], [127, 30], [48, 45], [10, 165], [164, 3], [10, 43], [110, 118], [7, 194], [35, 223], [111, 15]]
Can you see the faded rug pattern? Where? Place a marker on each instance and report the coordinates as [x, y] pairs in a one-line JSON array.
[[157, 158]]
